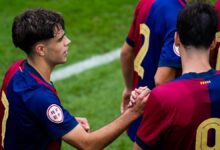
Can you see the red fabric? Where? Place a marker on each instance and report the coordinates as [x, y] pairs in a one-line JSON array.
[[169, 113], [9, 74], [140, 15]]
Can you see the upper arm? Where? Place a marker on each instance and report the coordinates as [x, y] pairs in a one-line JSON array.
[[164, 74], [169, 61], [126, 49], [136, 147], [169, 56], [47, 110]]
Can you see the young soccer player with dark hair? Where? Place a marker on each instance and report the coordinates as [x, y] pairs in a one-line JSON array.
[[184, 114], [147, 56], [215, 53], [31, 113]]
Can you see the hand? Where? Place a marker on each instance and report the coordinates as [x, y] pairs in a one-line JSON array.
[[84, 123], [138, 99], [125, 99], [134, 95]]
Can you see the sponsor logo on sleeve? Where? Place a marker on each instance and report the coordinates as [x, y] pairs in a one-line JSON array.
[[55, 113]]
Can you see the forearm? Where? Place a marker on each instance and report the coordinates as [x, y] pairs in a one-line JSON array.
[[100, 138], [111, 131], [127, 64]]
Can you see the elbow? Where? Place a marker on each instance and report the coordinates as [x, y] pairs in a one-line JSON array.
[[157, 81], [160, 80], [90, 145]]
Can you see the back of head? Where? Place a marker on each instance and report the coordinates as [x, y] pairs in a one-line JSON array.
[[197, 25], [33, 26]]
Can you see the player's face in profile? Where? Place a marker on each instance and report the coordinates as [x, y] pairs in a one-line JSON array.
[[57, 47]]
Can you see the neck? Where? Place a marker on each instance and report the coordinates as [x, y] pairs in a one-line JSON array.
[[194, 60], [42, 68]]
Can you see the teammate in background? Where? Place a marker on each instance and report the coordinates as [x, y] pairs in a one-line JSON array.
[[184, 114], [31, 113], [215, 54], [148, 56]]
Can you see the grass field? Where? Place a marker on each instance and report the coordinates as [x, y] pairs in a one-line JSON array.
[[94, 27]]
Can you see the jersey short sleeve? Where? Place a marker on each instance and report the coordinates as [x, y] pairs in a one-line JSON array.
[[140, 14], [134, 29], [46, 107], [154, 123], [169, 54]]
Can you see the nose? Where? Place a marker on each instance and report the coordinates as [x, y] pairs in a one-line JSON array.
[[67, 41]]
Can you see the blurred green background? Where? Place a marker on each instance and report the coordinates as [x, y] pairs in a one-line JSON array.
[[94, 27]]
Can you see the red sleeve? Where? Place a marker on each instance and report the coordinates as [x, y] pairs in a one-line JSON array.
[[217, 6], [140, 14]]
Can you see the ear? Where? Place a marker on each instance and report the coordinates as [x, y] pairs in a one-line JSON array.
[[213, 44], [176, 39], [40, 49]]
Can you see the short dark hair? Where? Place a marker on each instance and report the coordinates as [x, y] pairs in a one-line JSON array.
[[197, 25], [35, 25]]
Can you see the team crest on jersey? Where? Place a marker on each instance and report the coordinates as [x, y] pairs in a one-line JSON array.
[[176, 50], [55, 113]]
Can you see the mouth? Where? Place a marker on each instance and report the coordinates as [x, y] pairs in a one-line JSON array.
[[66, 52]]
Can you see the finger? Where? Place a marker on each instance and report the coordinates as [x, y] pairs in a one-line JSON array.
[[130, 104], [137, 91], [132, 100], [86, 126], [141, 89], [145, 92], [145, 99], [134, 93], [122, 109]]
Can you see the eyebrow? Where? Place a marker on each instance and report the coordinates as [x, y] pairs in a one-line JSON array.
[[61, 37]]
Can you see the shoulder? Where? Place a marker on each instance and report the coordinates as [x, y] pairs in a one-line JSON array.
[[168, 93], [217, 4], [168, 8], [25, 86], [217, 73]]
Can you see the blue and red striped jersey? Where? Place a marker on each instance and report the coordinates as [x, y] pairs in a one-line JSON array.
[[152, 37], [183, 114], [33, 117]]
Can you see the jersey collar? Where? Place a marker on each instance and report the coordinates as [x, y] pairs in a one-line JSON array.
[[30, 69]]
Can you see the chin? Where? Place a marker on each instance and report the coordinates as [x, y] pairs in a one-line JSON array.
[[61, 62]]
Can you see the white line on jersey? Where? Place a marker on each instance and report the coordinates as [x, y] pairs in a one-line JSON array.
[[84, 65]]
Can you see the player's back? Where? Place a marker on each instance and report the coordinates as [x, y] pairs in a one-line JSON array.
[[192, 103], [160, 26], [157, 36]]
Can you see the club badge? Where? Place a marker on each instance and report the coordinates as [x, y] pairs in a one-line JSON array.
[[55, 113]]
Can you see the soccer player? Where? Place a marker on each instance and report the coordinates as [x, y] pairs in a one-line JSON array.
[[31, 113], [184, 114], [148, 56], [215, 54]]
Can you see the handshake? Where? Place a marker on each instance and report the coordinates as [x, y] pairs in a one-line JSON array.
[[138, 98]]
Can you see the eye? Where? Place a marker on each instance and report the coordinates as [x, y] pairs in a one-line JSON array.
[[60, 39]]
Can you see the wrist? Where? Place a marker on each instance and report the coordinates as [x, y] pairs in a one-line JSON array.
[[133, 115]]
